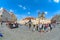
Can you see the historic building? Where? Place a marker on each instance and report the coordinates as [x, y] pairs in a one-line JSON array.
[[13, 17], [40, 20], [55, 19], [5, 16], [25, 20]]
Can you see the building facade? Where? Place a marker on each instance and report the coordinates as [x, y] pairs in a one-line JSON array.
[[13, 17], [40, 20], [5, 16], [55, 19]]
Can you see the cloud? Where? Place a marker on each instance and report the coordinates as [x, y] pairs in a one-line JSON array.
[[28, 12], [23, 7], [11, 10], [56, 1], [20, 5], [46, 12]]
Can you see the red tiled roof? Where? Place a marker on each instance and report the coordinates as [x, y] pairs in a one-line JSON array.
[[29, 18]]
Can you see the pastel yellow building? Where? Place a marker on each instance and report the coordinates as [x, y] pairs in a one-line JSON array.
[[25, 20]]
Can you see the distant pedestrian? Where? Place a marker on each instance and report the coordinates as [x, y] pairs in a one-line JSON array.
[[40, 27], [29, 24], [46, 27], [16, 24], [54, 25], [33, 28], [37, 27], [1, 23], [50, 26]]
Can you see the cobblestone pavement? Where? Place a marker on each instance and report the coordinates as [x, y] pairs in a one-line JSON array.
[[22, 33]]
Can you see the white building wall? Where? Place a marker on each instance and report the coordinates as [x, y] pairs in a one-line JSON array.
[[6, 16]]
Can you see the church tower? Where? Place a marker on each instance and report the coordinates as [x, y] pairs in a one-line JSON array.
[[42, 15], [39, 14]]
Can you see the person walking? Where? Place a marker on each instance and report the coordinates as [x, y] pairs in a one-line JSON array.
[[29, 24], [40, 27], [33, 28], [37, 27], [46, 27], [50, 26], [1, 23]]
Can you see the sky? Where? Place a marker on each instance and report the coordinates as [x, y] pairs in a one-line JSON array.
[[25, 8]]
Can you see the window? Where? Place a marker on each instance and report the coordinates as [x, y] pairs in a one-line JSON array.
[[1, 15]]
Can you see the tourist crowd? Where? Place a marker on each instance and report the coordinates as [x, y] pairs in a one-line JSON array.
[[42, 27]]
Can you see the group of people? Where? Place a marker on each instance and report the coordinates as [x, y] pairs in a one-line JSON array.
[[41, 27], [44, 27], [13, 25]]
